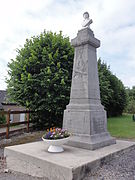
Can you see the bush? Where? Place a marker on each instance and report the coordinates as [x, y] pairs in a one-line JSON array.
[[40, 80], [40, 77], [130, 108], [2, 119], [113, 93]]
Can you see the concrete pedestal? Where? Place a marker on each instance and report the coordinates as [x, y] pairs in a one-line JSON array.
[[72, 164]]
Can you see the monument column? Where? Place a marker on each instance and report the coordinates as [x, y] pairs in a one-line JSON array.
[[85, 117]]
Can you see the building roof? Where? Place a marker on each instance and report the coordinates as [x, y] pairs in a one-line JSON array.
[[2, 97]]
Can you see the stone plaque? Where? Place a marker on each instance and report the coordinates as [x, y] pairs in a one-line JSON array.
[[98, 123]]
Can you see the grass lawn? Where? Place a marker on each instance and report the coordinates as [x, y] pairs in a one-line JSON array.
[[122, 127]]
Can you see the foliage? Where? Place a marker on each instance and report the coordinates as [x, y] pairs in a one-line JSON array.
[[130, 108], [122, 126], [113, 94], [40, 80], [57, 133], [40, 77], [2, 119]]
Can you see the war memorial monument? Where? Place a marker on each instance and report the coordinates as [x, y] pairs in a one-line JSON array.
[[91, 144], [85, 117]]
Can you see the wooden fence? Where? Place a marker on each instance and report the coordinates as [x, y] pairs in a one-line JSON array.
[[9, 124]]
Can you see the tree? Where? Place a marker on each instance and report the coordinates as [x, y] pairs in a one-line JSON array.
[[40, 77], [130, 108], [113, 94]]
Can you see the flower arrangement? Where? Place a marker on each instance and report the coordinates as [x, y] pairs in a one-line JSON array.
[[56, 133]]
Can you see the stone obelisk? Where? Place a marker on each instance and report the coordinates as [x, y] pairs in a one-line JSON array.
[[84, 116]]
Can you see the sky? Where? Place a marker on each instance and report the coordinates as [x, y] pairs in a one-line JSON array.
[[113, 24]]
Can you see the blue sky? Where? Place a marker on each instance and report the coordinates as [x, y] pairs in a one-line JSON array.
[[113, 24]]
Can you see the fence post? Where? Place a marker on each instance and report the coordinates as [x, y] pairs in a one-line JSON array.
[[28, 117], [8, 123]]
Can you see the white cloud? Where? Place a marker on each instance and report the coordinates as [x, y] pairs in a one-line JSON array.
[[113, 25]]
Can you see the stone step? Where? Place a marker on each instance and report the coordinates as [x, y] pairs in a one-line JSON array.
[[72, 164]]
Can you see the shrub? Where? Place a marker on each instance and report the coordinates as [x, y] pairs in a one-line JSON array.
[[40, 77], [2, 119], [113, 93]]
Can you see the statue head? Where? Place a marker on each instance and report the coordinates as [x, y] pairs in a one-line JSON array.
[[86, 15], [87, 21]]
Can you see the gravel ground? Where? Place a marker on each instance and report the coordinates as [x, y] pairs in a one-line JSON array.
[[119, 168]]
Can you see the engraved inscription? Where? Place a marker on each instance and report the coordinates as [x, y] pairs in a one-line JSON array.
[[78, 122], [81, 64], [98, 124], [77, 74]]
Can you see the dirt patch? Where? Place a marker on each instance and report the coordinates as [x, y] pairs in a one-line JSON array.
[[22, 139]]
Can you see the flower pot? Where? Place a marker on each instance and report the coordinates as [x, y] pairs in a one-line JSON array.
[[56, 145]]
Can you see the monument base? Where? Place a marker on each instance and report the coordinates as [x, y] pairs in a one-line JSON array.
[[74, 163], [88, 126], [91, 142]]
